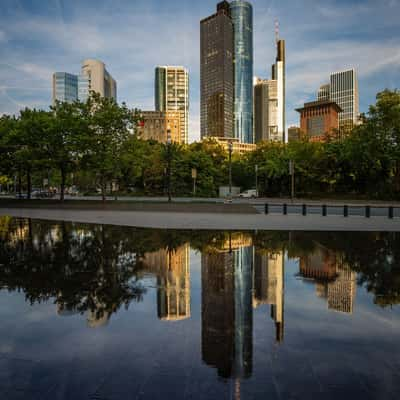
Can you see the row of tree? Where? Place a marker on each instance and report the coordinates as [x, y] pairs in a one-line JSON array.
[[91, 145]]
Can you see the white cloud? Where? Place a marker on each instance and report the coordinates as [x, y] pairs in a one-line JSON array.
[[143, 36], [36, 71]]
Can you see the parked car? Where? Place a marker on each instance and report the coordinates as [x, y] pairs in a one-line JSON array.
[[42, 194], [21, 196], [249, 194]]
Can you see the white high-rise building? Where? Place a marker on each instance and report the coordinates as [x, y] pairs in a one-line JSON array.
[[94, 77], [266, 110], [343, 90], [172, 94], [270, 102], [279, 75]]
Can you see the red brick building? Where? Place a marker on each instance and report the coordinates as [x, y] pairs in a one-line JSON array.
[[319, 120]]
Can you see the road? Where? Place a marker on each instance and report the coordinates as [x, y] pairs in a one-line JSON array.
[[257, 202]]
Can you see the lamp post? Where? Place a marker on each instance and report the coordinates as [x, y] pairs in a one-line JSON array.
[[230, 148], [291, 172], [256, 169], [169, 143]]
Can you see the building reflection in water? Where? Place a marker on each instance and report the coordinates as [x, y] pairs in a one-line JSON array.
[[227, 317], [172, 268], [335, 281], [269, 270]]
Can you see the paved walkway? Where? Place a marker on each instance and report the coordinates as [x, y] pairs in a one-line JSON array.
[[210, 221], [271, 200]]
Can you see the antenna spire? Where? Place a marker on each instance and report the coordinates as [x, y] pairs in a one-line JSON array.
[[276, 30]]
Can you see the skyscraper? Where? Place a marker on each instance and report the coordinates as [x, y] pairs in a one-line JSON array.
[[216, 73], [227, 315], [269, 102], [172, 269], [172, 94], [94, 77], [265, 110], [269, 285], [279, 75], [343, 90], [242, 17], [65, 87], [324, 92]]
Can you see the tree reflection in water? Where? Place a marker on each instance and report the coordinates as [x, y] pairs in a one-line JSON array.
[[96, 270]]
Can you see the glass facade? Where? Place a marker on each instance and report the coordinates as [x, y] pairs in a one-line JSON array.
[[344, 92], [83, 87], [217, 74], [242, 17], [65, 87]]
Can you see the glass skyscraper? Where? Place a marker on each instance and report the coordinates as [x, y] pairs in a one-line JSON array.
[[343, 90], [217, 73], [65, 87], [242, 17]]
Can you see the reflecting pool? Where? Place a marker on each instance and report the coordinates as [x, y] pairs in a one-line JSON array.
[[107, 312]]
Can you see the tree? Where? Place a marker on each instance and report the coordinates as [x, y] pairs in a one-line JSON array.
[[7, 125], [25, 140], [65, 137], [109, 127]]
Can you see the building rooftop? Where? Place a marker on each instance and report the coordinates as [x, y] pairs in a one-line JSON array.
[[320, 103]]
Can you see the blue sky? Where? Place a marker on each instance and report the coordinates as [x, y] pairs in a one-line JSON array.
[[38, 37]]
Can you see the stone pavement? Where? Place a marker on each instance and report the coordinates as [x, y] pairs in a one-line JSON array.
[[209, 221]]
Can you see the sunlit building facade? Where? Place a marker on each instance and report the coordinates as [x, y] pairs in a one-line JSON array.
[[157, 125], [279, 75], [94, 77], [266, 110], [172, 94], [270, 101], [319, 120], [343, 90]]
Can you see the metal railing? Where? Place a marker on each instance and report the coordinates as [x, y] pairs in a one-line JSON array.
[[336, 210]]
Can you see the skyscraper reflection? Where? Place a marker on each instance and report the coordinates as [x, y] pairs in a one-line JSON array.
[[269, 271], [172, 268], [227, 317], [335, 281]]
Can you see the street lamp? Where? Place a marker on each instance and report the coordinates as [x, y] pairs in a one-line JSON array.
[[256, 169], [230, 148], [169, 143], [291, 173]]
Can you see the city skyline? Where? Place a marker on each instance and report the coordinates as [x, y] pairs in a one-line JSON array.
[[315, 49]]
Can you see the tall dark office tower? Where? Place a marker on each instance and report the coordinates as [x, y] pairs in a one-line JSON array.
[[242, 16], [216, 73], [227, 313]]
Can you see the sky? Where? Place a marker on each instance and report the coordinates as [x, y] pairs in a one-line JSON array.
[[132, 37]]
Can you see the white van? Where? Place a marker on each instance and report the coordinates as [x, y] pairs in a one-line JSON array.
[[249, 194]]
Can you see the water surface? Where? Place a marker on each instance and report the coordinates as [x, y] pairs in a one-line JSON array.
[[106, 312]]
